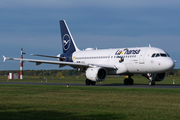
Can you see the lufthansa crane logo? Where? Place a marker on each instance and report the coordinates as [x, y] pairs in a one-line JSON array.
[[66, 42]]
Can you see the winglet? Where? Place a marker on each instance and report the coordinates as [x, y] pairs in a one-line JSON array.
[[4, 58]]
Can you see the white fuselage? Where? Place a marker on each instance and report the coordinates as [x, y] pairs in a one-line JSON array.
[[137, 60]]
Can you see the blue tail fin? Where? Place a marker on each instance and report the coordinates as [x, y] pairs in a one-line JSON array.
[[68, 43]]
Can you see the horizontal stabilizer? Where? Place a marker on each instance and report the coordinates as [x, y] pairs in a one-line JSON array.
[[4, 58], [48, 56]]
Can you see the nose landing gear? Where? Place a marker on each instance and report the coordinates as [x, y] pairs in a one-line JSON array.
[[151, 81]]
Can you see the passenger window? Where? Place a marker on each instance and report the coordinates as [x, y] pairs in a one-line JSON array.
[[153, 55], [157, 55]]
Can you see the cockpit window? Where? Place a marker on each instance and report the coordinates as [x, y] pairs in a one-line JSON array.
[[157, 55], [160, 55], [153, 55], [163, 55]]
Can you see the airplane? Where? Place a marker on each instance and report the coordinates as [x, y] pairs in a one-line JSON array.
[[151, 62]]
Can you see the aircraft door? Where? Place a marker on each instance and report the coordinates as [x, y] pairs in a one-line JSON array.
[[141, 57]]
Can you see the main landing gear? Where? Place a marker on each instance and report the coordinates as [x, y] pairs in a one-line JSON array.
[[89, 82], [128, 81]]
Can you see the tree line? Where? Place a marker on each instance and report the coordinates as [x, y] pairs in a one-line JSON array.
[[175, 72], [43, 72]]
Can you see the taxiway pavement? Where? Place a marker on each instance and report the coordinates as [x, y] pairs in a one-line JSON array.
[[97, 85]]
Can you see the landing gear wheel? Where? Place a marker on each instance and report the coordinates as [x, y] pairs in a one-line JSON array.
[[131, 81], [93, 83], [88, 82], [128, 81], [151, 83]]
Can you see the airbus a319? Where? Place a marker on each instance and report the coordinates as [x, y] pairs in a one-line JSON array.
[[151, 62]]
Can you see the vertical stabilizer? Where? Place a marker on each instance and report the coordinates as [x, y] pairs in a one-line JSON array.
[[68, 43]]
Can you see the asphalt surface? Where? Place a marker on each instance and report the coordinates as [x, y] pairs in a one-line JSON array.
[[97, 85]]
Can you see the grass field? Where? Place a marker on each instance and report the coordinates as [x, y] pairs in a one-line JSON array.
[[40, 102]]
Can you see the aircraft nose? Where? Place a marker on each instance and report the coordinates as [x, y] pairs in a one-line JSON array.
[[170, 64]]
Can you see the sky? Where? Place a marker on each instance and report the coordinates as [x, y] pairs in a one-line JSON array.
[[34, 26]]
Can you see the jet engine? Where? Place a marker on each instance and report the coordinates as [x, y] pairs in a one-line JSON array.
[[156, 77], [96, 74]]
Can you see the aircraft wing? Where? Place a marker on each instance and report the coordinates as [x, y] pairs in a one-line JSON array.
[[73, 64]]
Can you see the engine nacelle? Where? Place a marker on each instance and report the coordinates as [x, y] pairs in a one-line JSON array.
[[96, 74], [159, 77], [156, 77]]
